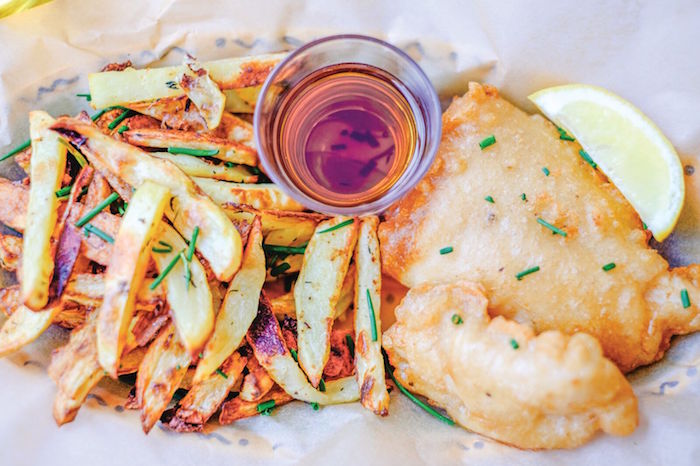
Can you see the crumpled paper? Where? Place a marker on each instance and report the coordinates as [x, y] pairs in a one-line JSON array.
[[641, 50]]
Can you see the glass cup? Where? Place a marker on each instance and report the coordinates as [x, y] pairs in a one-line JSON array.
[[355, 49]]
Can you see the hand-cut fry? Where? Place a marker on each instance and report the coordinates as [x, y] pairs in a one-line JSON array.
[[159, 375], [257, 383], [47, 167], [126, 270], [242, 100], [24, 326], [280, 228], [189, 297], [239, 307], [196, 167], [173, 112], [317, 290], [71, 316], [369, 361], [10, 252], [94, 247], [236, 129], [219, 241], [258, 196], [204, 398], [203, 92], [265, 337], [229, 151], [88, 289], [13, 208], [122, 87], [283, 305], [238, 408]]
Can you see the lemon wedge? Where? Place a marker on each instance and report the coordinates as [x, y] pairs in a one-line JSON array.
[[627, 146]]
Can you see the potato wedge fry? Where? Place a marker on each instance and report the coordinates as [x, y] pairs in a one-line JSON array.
[[204, 169], [242, 100], [219, 241], [173, 112], [258, 196], [10, 252], [238, 309], [159, 375], [24, 326], [238, 408], [265, 337], [71, 317], [126, 270], [236, 129], [122, 87], [203, 399], [257, 383], [203, 92], [88, 289], [317, 291], [229, 151], [369, 362], [47, 167], [13, 208], [190, 303], [280, 228]]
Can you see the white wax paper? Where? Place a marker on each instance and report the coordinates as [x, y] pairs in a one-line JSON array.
[[644, 51]]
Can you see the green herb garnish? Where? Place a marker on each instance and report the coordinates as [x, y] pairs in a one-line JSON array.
[[338, 226], [446, 250], [122, 128], [685, 299], [351, 345], [314, 405], [294, 354], [97, 115], [64, 191], [164, 250], [284, 249], [266, 407], [279, 269], [489, 141], [564, 135], [644, 225], [321, 386], [489, 199], [608, 267], [221, 373], [372, 318], [534, 269], [514, 343], [17, 149], [584, 155], [545, 170], [165, 272], [188, 272], [457, 319], [193, 152], [92, 229], [193, 241], [125, 114], [551, 227], [87, 97], [97, 209], [523, 197], [122, 209]]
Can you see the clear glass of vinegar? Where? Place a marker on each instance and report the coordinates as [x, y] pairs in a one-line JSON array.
[[347, 124]]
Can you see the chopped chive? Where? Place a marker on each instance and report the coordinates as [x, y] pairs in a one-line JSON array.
[[314, 405], [429, 409], [457, 319], [446, 250], [90, 228], [685, 299], [489, 199], [338, 226], [188, 273], [190, 250], [125, 114], [17, 150], [351, 345], [545, 170], [200, 355], [178, 367], [165, 272], [564, 135], [171, 84], [193, 152], [221, 373], [534, 269], [165, 249], [97, 115], [122, 128], [523, 197], [96, 210], [551, 227], [608, 267], [514, 343], [64, 191], [279, 269], [321, 386], [489, 141], [87, 97], [229, 164], [122, 209], [266, 407], [372, 317], [644, 225], [294, 354], [587, 158], [284, 249], [76, 155]]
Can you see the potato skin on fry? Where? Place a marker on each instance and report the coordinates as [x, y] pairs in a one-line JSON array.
[[238, 408]]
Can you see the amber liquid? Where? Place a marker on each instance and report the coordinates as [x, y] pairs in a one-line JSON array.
[[346, 133]]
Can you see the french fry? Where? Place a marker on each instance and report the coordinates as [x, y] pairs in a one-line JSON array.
[[204, 169], [88, 289], [369, 362], [238, 309], [317, 290], [122, 87], [71, 317], [236, 129], [24, 326], [242, 98], [159, 375], [126, 271], [257, 383], [265, 196], [204, 398], [48, 165], [219, 241], [229, 151], [10, 252], [203, 92], [96, 248], [173, 112], [265, 338], [13, 208], [280, 228], [189, 298], [238, 408]]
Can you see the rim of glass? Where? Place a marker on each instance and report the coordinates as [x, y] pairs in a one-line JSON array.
[[404, 184]]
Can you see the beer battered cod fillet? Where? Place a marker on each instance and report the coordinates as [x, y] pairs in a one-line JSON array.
[[497, 378], [633, 309]]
